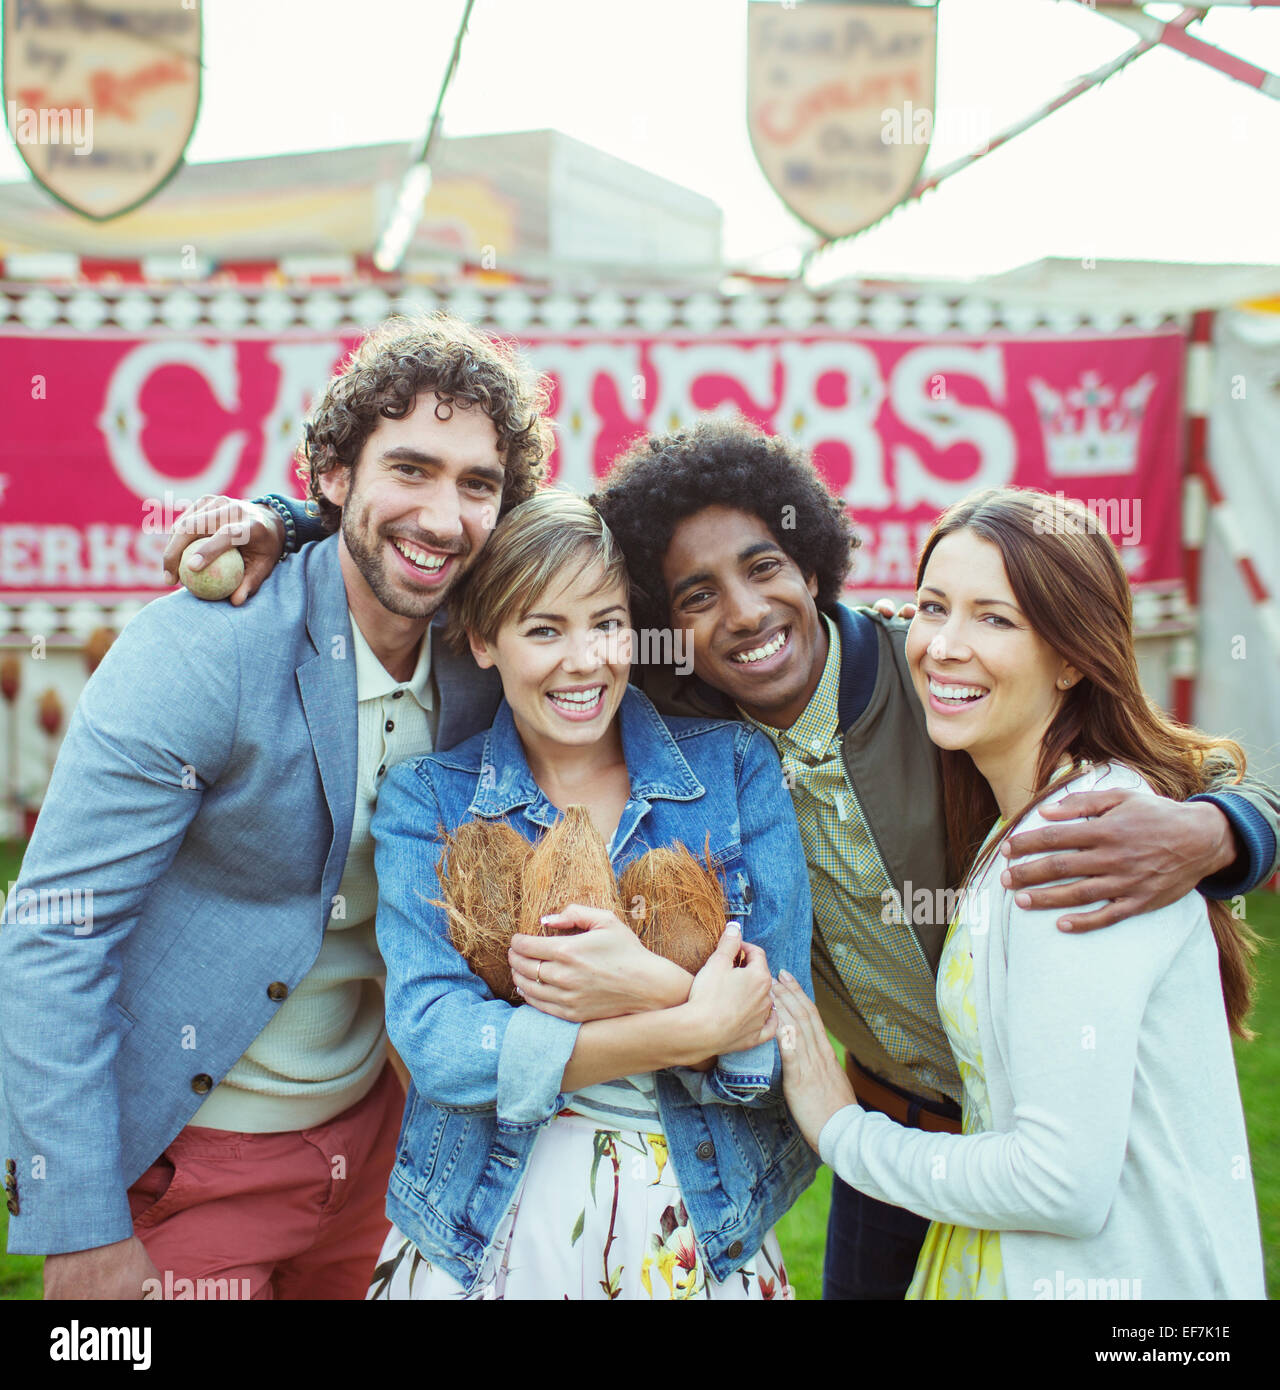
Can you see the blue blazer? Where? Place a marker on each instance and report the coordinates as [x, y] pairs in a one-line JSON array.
[[197, 826]]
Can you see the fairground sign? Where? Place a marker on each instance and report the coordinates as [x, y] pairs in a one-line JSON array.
[[101, 99], [840, 105], [109, 436]]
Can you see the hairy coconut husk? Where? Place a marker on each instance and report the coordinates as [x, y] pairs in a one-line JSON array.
[[675, 905], [570, 864], [480, 871]]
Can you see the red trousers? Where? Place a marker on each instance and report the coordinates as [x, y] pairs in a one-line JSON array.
[[298, 1215]]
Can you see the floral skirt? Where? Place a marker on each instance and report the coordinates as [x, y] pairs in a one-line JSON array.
[[598, 1215]]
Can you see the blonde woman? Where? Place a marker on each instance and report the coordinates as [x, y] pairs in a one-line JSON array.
[[563, 1151]]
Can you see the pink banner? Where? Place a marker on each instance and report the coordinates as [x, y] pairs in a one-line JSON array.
[[106, 438]]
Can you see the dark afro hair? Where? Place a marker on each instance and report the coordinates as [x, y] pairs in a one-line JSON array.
[[660, 481]]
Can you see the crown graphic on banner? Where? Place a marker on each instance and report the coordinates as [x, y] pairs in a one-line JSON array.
[[1090, 427]]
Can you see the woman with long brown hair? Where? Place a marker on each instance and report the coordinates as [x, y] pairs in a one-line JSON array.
[[1103, 1150]]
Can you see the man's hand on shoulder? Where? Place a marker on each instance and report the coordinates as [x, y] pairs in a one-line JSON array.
[[214, 525], [887, 609], [1133, 851], [118, 1272]]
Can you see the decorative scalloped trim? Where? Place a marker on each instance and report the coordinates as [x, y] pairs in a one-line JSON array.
[[237, 309]]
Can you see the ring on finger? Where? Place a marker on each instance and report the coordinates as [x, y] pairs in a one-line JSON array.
[[538, 977]]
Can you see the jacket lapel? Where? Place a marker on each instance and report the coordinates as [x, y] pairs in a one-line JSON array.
[[468, 696], [327, 684]]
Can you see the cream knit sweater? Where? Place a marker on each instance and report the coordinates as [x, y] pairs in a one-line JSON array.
[[1118, 1166]]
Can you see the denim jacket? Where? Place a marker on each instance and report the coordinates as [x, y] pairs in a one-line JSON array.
[[486, 1074]]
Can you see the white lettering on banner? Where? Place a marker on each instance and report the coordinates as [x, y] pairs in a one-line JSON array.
[[62, 557], [110, 561], [577, 370], [887, 555], [945, 422], [122, 420], [802, 417], [304, 368], [17, 568], [679, 365]]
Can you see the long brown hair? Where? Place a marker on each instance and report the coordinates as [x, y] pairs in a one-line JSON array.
[[1067, 577]]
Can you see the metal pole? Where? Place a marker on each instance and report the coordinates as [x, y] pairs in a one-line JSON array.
[[416, 184]]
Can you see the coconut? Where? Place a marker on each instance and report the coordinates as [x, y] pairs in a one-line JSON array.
[[570, 864], [480, 871], [675, 904]]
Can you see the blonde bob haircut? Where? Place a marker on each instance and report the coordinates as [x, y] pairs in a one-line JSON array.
[[554, 536]]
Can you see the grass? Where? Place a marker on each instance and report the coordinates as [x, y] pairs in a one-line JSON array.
[[19, 1274], [802, 1232]]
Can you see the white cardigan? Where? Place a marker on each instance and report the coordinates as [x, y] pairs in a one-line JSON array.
[[1118, 1165]]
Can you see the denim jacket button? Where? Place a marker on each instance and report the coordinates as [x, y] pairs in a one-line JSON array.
[[202, 1084], [734, 1250], [277, 990], [706, 1149]]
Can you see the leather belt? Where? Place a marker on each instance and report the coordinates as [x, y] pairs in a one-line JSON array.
[[875, 1095]]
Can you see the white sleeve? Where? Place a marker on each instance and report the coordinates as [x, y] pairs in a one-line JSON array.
[[1074, 1007]]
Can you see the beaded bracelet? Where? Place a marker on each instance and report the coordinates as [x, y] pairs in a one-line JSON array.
[[290, 530]]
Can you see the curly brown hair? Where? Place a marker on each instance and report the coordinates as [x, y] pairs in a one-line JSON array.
[[405, 356]]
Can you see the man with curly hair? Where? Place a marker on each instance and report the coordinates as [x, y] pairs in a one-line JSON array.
[[732, 536], [197, 1099]]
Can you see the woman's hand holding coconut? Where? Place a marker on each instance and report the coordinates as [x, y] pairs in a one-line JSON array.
[[597, 969], [730, 1006]]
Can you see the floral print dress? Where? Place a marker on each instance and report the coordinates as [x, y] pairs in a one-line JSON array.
[[599, 1215]]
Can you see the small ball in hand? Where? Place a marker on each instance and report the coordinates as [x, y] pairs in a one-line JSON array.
[[218, 579]]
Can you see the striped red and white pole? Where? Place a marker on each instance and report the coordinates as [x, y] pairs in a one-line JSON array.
[[1203, 501], [1173, 34], [1078, 88], [1194, 505], [1205, 4]]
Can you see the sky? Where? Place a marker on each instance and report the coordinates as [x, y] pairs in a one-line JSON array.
[[1168, 161]]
